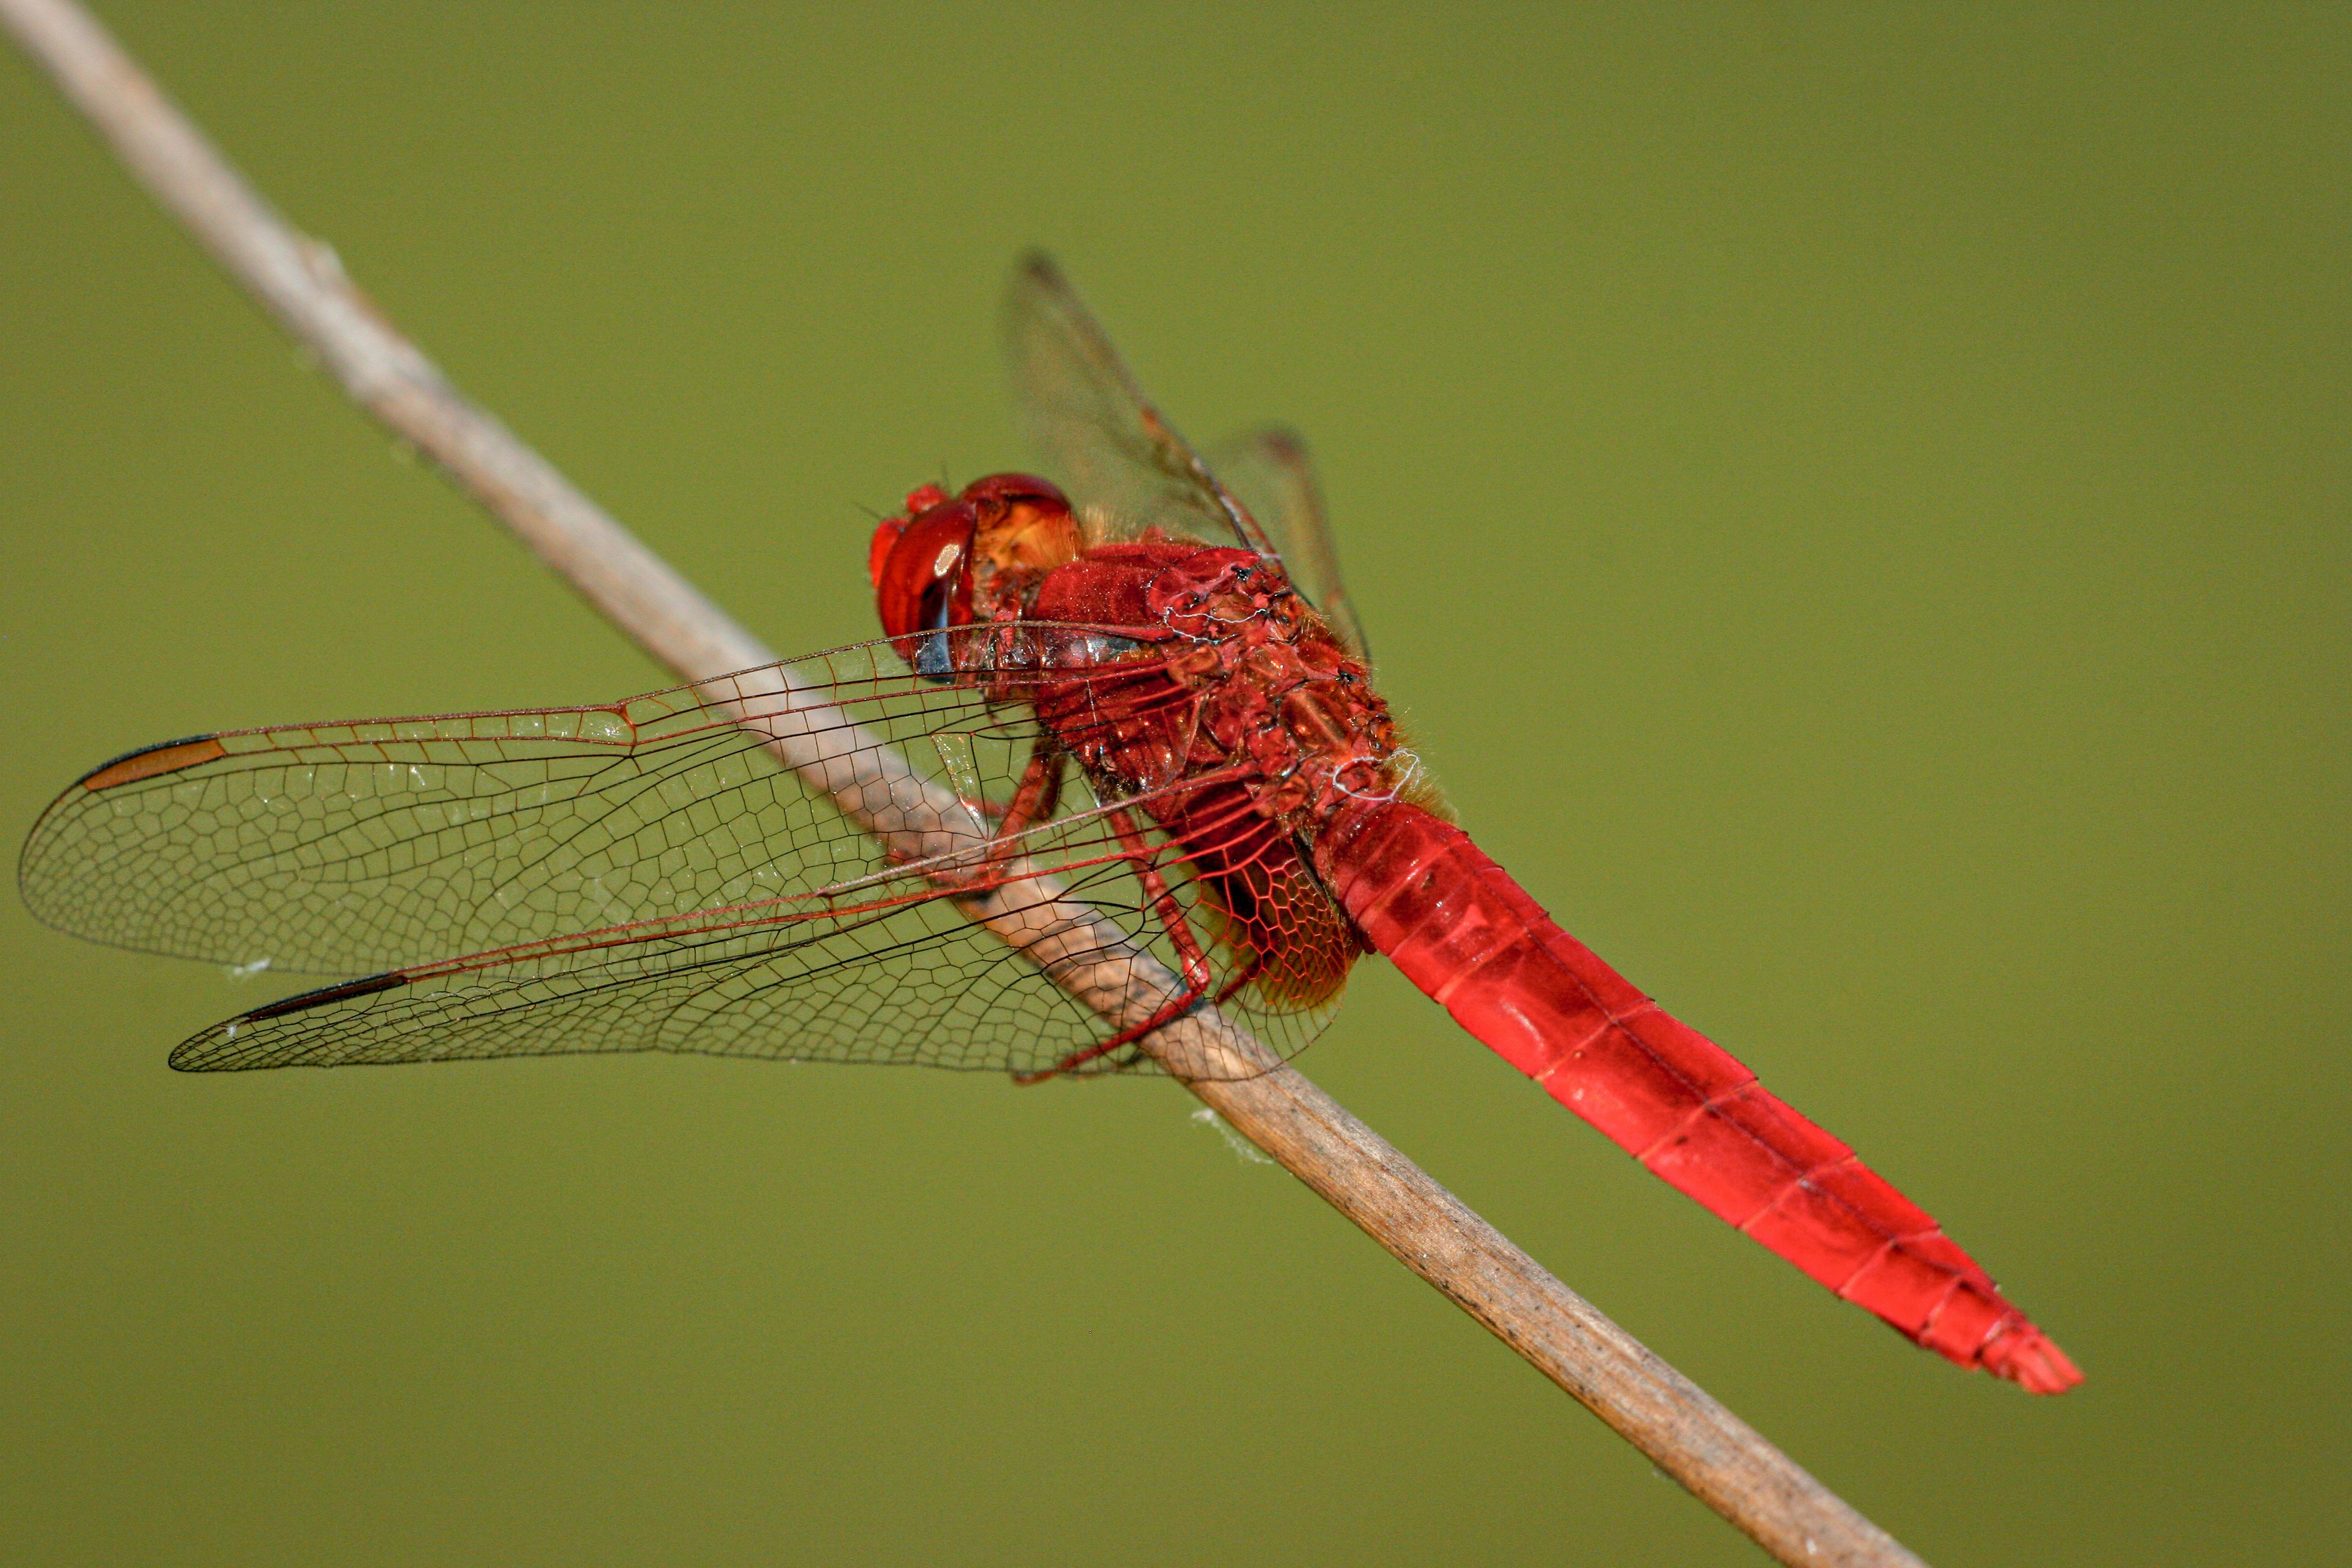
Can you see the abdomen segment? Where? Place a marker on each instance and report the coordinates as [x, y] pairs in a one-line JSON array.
[[1469, 936]]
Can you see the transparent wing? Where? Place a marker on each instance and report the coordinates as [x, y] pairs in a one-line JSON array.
[[884, 969], [1269, 471], [348, 848], [652, 875], [1100, 436]]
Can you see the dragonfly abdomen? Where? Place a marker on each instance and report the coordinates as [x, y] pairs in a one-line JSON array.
[[1471, 938]]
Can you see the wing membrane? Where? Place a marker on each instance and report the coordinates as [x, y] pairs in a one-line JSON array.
[[1101, 436], [347, 847], [355, 847], [883, 970]]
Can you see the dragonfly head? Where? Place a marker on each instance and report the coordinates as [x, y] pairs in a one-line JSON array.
[[988, 547]]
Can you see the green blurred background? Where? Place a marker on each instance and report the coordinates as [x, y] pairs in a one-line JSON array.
[[1854, 503]]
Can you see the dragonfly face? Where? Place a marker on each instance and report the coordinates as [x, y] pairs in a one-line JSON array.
[[981, 554]]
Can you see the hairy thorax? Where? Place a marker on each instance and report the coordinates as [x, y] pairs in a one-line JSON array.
[[1238, 673]]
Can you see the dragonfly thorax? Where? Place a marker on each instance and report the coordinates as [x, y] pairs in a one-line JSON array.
[[1266, 688]]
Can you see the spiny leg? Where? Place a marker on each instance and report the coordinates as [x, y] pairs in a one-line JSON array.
[[1036, 798], [1196, 963]]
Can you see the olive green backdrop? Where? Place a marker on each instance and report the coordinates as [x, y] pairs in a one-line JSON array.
[[1853, 504]]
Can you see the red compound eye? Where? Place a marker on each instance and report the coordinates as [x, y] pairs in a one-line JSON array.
[[924, 583]]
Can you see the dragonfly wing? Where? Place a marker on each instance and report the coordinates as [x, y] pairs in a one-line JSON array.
[[371, 845], [880, 969], [760, 865], [886, 968], [353, 846], [1270, 472], [1100, 435]]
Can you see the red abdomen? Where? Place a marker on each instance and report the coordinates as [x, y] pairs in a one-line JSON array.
[[1465, 932]]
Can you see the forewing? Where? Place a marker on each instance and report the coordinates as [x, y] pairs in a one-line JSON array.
[[1270, 472], [361, 846], [1100, 436]]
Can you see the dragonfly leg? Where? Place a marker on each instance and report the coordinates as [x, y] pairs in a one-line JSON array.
[[1163, 901], [1197, 975], [1035, 800]]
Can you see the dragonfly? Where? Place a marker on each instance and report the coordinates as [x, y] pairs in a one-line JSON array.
[[1117, 763]]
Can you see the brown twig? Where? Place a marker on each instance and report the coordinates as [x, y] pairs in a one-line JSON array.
[[1662, 1412]]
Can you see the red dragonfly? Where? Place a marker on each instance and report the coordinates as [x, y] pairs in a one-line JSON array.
[[1133, 738]]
